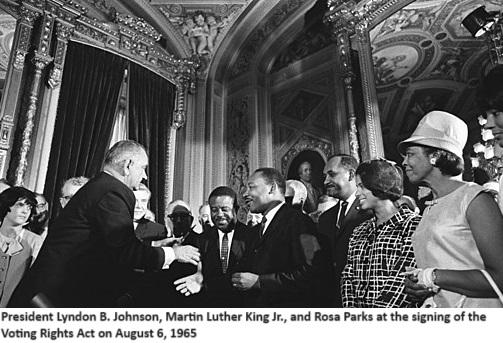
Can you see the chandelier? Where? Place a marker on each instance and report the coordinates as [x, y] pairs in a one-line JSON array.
[[481, 23]]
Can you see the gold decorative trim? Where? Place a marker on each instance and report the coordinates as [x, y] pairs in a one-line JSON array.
[[179, 114], [63, 33], [344, 52]]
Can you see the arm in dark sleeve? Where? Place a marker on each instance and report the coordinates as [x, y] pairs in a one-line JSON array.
[[116, 223], [148, 231], [304, 248]]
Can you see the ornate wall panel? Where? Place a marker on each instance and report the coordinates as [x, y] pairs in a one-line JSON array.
[[238, 139]]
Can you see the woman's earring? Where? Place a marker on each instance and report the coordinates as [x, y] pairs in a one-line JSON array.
[[433, 161]]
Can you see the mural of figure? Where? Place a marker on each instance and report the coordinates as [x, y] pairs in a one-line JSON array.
[[386, 67]]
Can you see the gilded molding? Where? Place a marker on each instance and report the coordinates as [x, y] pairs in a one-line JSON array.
[[305, 142], [372, 117], [40, 61], [179, 115], [169, 163], [19, 59], [137, 25], [343, 46], [139, 47], [348, 14], [63, 33], [5, 133], [25, 26], [27, 15]]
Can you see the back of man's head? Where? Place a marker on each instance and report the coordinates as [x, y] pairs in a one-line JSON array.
[[143, 188], [123, 151], [490, 91], [70, 187], [272, 176]]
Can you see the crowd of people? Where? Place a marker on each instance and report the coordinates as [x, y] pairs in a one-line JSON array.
[[358, 243]]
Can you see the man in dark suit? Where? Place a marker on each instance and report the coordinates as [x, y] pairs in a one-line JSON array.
[[279, 268], [145, 227], [336, 225], [222, 247], [92, 245]]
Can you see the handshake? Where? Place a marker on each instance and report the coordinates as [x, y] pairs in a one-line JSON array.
[[191, 284], [183, 253]]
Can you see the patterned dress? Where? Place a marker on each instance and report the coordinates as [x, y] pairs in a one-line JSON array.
[[377, 255]]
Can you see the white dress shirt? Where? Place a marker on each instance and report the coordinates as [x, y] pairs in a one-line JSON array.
[[270, 215], [220, 238]]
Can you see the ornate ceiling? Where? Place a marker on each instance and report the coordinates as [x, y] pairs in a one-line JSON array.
[[424, 59]]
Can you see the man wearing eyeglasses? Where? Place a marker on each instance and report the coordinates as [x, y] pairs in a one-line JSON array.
[[91, 246], [39, 221]]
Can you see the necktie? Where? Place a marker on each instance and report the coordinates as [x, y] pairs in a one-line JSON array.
[[261, 226], [342, 213], [224, 251]]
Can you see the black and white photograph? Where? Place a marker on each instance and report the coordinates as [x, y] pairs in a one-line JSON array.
[[170, 169]]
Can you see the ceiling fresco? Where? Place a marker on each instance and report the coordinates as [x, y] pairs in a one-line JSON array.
[[7, 29], [424, 59]]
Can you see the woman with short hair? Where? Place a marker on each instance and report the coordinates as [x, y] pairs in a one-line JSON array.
[[461, 232], [380, 248], [18, 246]]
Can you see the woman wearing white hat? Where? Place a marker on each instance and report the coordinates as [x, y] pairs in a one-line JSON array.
[[460, 237]]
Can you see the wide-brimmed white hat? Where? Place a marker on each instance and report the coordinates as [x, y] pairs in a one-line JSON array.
[[439, 129]]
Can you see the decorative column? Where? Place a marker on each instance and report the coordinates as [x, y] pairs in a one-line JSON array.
[[38, 159], [373, 132], [14, 85], [179, 117], [63, 33], [41, 59], [343, 46]]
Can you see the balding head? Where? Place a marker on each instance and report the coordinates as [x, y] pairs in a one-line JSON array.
[[127, 161]]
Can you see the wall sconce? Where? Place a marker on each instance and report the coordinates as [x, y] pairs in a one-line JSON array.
[[481, 23]]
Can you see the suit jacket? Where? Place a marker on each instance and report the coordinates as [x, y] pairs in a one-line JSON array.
[[218, 290], [335, 242], [158, 289], [148, 231], [285, 260], [89, 249]]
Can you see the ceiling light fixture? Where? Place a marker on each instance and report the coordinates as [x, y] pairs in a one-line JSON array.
[[481, 23]]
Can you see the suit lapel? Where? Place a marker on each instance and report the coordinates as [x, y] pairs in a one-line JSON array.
[[271, 227], [237, 248], [351, 213]]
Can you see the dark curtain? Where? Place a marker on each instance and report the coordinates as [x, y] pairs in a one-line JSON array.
[[151, 100], [90, 88]]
